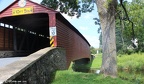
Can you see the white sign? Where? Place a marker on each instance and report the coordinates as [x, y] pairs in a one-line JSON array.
[[53, 31]]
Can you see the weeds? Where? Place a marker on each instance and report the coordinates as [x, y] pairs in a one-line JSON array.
[[131, 67], [132, 63]]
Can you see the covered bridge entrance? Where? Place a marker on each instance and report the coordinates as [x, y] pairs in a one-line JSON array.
[[26, 27], [24, 30], [25, 33]]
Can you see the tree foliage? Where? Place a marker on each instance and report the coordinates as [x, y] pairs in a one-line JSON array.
[[135, 11], [93, 50], [70, 7]]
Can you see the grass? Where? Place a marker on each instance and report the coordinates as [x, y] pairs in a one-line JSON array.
[[131, 67], [97, 61], [132, 63], [71, 77]]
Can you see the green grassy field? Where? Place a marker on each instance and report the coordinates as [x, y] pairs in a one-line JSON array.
[[136, 61], [131, 67], [71, 77], [97, 61]]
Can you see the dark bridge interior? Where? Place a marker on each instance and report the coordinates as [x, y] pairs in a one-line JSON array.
[[25, 33]]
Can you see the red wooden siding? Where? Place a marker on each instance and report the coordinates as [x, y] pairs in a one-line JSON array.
[[76, 47], [7, 42], [1, 38]]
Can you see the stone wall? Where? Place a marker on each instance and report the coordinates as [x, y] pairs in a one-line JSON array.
[[37, 68], [5, 54]]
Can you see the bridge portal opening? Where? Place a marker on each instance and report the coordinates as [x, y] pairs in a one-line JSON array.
[[24, 34]]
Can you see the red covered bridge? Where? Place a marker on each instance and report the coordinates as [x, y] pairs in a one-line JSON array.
[[26, 27]]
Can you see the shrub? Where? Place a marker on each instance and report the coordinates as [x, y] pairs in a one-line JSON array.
[[131, 67], [81, 67]]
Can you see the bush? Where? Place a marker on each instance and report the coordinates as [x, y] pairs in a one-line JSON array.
[[131, 67], [134, 62], [81, 67]]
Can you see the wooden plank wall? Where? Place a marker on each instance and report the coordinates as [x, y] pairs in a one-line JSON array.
[[6, 39], [76, 47]]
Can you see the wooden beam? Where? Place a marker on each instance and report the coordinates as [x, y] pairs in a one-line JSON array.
[[14, 39], [27, 40], [9, 38], [34, 42], [23, 40], [4, 38]]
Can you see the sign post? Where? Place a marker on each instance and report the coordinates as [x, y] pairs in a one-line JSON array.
[[53, 35], [52, 30]]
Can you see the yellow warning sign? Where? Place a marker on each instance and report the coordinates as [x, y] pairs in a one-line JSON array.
[[22, 11], [51, 41]]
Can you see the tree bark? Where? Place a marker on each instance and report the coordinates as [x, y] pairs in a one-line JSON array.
[[107, 12]]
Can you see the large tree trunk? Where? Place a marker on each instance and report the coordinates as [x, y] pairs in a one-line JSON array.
[[106, 10]]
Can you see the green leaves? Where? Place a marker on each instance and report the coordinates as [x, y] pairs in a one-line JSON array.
[[135, 11], [70, 7], [93, 50], [50, 3]]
